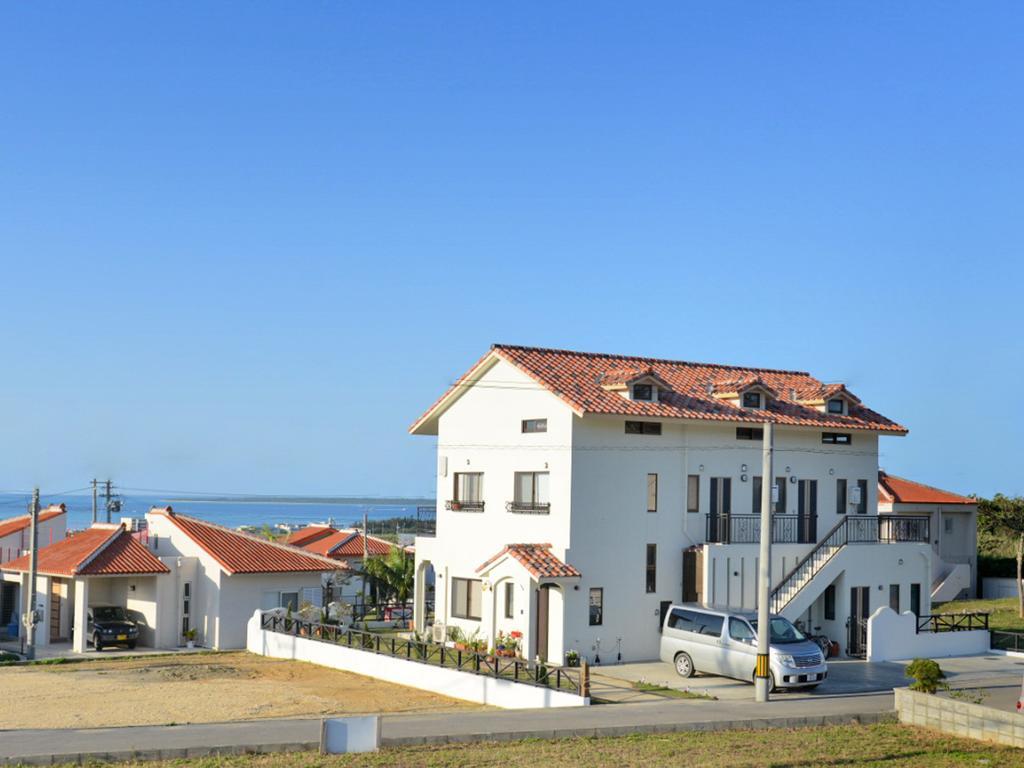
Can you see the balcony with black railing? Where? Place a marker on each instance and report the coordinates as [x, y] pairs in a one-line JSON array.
[[455, 505], [528, 507], [746, 529]]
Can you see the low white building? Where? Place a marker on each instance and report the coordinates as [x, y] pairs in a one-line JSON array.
[[953, 525], [179, 574], [15, 540], [579, 494]]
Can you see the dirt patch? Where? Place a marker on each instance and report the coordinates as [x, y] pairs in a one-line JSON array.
[[198, 688]]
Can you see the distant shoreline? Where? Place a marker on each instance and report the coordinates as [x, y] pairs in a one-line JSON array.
[[363, 502]]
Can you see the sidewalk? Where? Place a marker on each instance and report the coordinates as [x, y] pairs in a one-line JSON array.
[[43, 747]]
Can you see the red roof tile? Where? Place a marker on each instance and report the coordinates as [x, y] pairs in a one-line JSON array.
[[103, 550], [537, 559], [576, 378], [15, 524], [347, 543], [899, 490], [239, 552], [309, 533]]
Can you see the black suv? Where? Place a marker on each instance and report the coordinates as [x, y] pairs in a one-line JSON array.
[[110, 625]]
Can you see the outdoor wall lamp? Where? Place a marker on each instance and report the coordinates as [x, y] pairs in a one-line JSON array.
[[700, 468], [831, 471], [792, 478], [743, 478], [743, 467]]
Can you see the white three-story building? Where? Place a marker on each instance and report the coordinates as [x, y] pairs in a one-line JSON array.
[[579, 494]]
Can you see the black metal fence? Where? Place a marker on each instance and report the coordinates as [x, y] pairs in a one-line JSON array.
[[393, 610], [952, 622], [1006, 641], [569, 679]]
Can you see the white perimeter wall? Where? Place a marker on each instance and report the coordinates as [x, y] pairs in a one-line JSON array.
[[892, 636], [446, 682]]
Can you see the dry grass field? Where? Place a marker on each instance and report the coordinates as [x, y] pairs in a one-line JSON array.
[[194, 689]]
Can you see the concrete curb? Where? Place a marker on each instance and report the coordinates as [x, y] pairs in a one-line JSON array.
[[863, 718], [179, 753], [198, 751]]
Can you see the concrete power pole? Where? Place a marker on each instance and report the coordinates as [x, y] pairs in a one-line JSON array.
[[107, 495], [762, 671], [365, 554], [30, 613], [94, 501]]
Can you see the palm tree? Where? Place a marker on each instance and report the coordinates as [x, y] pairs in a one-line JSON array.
[[393, 573]]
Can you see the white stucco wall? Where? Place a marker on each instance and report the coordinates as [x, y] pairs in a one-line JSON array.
[[241, 594], [443, 681], [892, 636]]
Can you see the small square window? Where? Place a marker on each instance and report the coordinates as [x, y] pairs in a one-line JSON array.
[[751, 399], [643, 392], [643, 427], [836, 438], [750, 433], [835, 406]]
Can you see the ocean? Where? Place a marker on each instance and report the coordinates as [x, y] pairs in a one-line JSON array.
[[229, 513]]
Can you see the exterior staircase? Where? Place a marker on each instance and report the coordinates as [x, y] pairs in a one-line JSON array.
[[850, 530]]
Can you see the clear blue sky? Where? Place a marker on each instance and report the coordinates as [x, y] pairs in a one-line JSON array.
[[244, 245]]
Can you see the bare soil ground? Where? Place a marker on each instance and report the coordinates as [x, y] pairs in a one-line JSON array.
[[197, 688]]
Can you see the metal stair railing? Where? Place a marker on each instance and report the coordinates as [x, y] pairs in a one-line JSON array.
[[810, 565]]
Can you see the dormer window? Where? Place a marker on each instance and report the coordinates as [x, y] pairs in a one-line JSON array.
[[751, 399], [836, 405], [643, 391]]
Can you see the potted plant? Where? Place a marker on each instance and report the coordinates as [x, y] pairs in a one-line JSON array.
[[190, 638], [572, 658]]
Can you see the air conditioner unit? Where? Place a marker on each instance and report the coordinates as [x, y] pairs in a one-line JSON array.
[[442, 466], [854, 494], [439, 633]]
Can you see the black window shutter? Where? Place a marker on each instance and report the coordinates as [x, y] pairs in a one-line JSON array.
[[727, 495]]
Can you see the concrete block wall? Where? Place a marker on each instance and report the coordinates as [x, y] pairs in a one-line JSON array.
[[959, 718]]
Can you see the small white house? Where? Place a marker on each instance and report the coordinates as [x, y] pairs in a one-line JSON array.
[[953, 525], [15, 534], [179, 574], [579, 494]]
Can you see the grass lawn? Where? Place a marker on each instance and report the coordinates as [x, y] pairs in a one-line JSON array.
[[1003, 612], [892, 746], [664, 690]]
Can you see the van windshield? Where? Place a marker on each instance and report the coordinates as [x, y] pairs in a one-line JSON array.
[[781, 631]]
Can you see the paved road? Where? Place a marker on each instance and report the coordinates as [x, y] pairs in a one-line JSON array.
[[293, 734], [846, 676]]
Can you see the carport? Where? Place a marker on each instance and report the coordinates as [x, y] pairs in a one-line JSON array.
[[103, 564]]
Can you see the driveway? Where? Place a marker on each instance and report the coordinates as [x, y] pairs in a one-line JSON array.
[[846, 677]]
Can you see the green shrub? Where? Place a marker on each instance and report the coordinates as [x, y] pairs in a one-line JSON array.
[[927, 675]]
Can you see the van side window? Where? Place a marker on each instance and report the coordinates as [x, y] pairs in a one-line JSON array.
[[681, 620], [708, 624], [740, 630]]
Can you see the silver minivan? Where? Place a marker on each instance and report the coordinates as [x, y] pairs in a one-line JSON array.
[[721, 641]]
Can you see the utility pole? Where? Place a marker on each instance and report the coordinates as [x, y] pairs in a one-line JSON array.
[[365, 552], [107, 496], [30, 613], [762, 670], [94, 501]]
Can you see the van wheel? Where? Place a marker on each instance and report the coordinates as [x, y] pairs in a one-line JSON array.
[[684, 665], [97, 643]]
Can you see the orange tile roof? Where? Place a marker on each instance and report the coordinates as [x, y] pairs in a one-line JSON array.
[[576, 378], [15, 524], [102, 550], [537, 559], [239, 552], [347, 543], [309, 533], [898, 490]]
